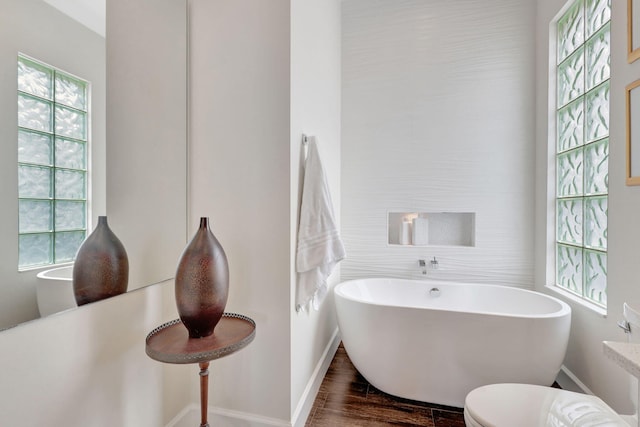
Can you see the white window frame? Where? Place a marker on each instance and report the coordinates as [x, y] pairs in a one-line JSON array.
[[53, 166], [551, 189]]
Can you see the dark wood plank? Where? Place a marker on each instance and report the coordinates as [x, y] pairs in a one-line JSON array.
[[448, 418], [328, 418], [347, 399]]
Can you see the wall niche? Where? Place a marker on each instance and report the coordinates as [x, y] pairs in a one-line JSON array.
[[431, 228]]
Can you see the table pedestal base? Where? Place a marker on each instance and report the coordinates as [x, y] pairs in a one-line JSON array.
[[204, 393]]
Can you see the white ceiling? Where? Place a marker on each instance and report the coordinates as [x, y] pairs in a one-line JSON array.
[[90, 13]]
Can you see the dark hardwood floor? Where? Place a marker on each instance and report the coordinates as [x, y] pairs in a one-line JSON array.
[[347, 399]]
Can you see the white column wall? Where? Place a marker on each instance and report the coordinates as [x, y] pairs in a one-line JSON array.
[[315, 110], [146, 133], [239, 174]]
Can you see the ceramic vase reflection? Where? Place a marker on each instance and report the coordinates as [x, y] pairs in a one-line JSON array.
[[202, 283], [101, 268]]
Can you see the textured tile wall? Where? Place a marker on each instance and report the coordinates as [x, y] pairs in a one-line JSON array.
[[438, 116]]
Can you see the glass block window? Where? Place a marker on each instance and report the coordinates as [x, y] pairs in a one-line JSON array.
[[582, 148], [53, 123]]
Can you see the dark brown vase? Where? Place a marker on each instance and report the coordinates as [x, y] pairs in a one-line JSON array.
[[202, 283], [101, 268]]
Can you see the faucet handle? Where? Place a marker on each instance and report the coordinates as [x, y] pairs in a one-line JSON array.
[[625, 326], [434, 263]]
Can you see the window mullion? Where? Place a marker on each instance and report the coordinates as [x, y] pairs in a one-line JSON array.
[[53, 156]]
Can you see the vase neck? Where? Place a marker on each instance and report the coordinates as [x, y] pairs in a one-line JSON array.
[[102, 220], [204, 222]]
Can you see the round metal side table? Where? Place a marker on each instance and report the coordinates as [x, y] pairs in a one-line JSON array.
[[170, 343]]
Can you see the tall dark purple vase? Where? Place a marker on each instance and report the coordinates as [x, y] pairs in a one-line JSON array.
[[202, 283], [101, 268]]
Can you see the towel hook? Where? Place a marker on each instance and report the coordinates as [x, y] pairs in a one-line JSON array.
[[305, 139]]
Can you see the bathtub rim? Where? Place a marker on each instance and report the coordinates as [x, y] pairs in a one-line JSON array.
[[44, 275], [565, 309]]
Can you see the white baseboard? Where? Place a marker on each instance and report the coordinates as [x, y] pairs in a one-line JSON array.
[[310, 392], [569, 381], [252, 420], [184, 417], [190, 415]]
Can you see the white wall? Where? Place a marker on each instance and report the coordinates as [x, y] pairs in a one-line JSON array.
[[244, 168], [239, 177], [147, 151], [87, 366], [146, 133], [438, 104], [585, 358], [42, 32], [256, 87], [315, 110]]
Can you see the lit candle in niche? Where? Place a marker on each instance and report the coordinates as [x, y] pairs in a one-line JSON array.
[[405, 232]]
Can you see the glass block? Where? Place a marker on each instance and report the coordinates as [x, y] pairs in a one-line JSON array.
[[571, 78], [71, 92], [596, 167], [595, 277], [597, 113], [67, 245], [34, 78], [570, 31], [34, 182], [70, 215], [71, 123], [35, 249], [569, 221], [598, 13], [70, 184], [70, 154], [595, 222], [598, 58], [569, 268], [35, 216], [571, 126], [569, 173], [34, 113], [34, 148]]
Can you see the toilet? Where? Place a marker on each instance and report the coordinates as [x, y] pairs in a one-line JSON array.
[[526, 405]]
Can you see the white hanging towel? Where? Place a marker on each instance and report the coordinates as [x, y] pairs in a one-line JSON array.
[[319, 245]]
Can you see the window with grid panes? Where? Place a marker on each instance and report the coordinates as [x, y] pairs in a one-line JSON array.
[[53, 123], [582, 148]]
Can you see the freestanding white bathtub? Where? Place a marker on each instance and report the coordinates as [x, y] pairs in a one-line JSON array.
[[54, 290], [435, 341]]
